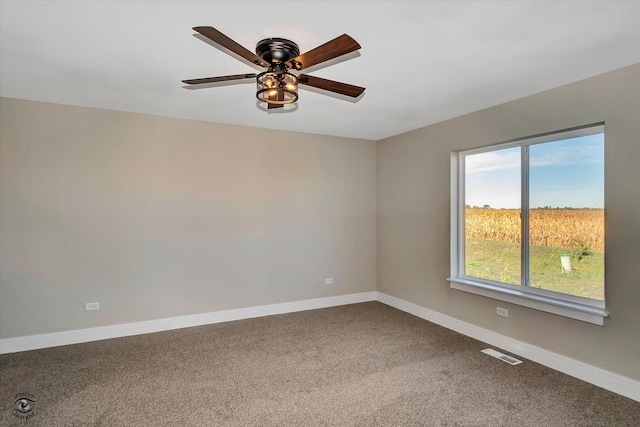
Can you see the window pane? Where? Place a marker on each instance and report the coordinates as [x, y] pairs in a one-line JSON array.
[[566, 216], [492, 215]]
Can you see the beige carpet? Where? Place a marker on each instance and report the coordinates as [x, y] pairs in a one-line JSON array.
[[357, 365]]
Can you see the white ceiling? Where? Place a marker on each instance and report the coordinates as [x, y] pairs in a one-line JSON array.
[[421, 62]]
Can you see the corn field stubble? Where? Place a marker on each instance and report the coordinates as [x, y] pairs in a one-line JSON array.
[[493, 248]]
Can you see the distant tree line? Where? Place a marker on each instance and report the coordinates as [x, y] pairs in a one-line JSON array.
[[540, 207]]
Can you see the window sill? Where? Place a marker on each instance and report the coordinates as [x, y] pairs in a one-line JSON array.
[[572, 310]]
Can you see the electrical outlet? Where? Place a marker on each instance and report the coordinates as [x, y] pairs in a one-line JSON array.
[[92, 306], [328, 281], [502, 312]]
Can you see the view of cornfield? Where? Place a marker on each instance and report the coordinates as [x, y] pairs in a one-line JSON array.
[[566, 248]]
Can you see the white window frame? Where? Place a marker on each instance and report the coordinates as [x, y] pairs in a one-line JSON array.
[[580, 308]]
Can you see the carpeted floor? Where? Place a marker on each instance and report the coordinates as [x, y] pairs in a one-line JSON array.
[[357, 365]]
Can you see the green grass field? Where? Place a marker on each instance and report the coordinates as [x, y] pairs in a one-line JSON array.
[[499, 260]]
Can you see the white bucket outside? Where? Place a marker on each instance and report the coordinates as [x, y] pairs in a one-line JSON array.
[[565, 262]]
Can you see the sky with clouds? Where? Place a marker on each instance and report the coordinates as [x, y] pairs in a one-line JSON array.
[[564, 173]]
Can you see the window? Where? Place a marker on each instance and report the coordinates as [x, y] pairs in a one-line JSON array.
[[527, 222]]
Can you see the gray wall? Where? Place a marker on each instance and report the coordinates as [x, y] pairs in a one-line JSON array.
[[156, 217], [413, 217]]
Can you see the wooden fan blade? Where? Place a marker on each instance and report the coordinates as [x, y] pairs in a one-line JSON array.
[[332, 49], [330, 85], [224, 41], [219, 79]]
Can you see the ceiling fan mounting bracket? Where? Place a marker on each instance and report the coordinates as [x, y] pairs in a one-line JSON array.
[[277, 50]]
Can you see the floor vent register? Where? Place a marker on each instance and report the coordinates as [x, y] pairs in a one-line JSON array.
[[510, 360]]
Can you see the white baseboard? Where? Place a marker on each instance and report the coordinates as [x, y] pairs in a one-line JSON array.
[[599, 377], [613, 382], [34, 342]]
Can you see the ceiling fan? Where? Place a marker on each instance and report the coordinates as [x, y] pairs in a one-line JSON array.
[[277, 86]]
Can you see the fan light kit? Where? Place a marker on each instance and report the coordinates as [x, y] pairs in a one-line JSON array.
[[277, 86]]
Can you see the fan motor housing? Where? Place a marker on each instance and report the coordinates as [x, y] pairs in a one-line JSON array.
[[277, 49]]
